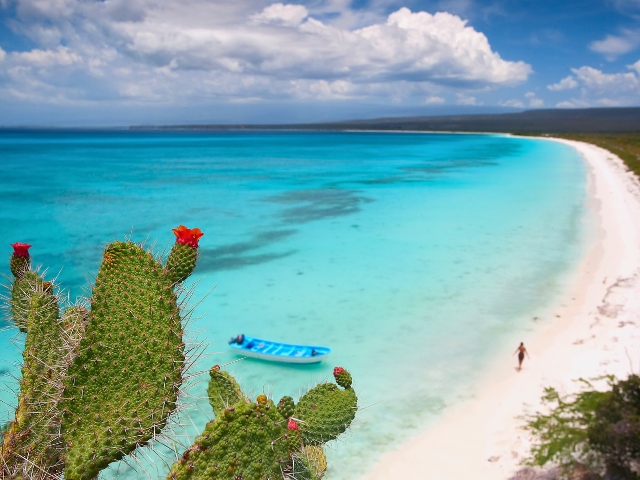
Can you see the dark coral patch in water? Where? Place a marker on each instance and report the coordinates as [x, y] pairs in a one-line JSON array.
[[318, 204], [239, 255]]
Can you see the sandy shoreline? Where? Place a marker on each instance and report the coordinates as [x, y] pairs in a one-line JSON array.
[[596, 332]]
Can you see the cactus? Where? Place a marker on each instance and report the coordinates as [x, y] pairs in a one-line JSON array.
[[343, 378], [286, 406], [313, 461], [223, 390], [34, 433], [97, 384], [20, 261], [183, 255], [257, 440], [325, 412], [247, 440], [116, 398]]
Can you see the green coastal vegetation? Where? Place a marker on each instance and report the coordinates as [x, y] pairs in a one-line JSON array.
[[624, 145], [596, 428], [102, 378]]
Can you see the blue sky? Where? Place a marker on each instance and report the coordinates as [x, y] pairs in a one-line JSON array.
[[120, 62]]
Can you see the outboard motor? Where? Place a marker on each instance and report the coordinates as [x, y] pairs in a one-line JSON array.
[[239, 340]]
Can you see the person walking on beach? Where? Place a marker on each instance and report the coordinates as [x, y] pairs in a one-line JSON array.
[[521, 351]]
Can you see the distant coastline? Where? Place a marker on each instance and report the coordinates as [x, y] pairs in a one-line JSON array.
[[588, 120]]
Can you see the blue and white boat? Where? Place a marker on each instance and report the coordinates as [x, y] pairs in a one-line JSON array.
[[278, 351]]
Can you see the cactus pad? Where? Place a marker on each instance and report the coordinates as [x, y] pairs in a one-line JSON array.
[[183, 255], [325, 412], [247, 441], [343, 378], [286, 406], [125, 380], [20, 261], [21, 292], [181, 262], [310, 464], [31, 446], [223, 390]]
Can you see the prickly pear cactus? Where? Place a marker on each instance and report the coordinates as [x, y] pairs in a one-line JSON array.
[[310, 463], [258, 440], [125, 381], [20, 260], [31, 447], [343, 378], [223, 390], [286, 406], [326, 411], [24, 284], [96, 384], [248, 441], [183, 256]]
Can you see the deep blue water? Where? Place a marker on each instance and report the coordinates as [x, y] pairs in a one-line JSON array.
[[417, 257]]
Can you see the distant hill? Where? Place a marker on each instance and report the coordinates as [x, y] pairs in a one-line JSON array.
[[589, 120]]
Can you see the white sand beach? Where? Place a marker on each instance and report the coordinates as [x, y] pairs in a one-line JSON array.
[[596, 331]]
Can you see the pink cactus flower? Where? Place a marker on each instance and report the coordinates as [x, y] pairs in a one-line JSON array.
[[292, 425], [21, 249]]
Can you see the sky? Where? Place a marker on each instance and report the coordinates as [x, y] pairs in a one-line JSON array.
[[133, 62]]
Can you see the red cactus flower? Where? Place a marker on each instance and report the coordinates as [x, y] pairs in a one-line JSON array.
[[337, 371], [187, 236], [21, 249], [292, 425]]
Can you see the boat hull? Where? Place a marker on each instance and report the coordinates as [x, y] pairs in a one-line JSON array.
[[280, 352]]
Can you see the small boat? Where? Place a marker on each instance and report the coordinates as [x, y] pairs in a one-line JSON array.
[[278, 351]]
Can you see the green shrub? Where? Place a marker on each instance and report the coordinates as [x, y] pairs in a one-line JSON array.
[[598, 428]]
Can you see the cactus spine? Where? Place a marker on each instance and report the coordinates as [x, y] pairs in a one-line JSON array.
[[31, 445], [223, 390], [118, 398], [97, 384], [257, 440]]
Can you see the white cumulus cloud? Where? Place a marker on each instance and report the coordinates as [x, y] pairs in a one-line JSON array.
[[512, 103], [280, 14], [253, 49], [566, 83], [635, 66], [598, 88], [434, 100], [48, 58], [534, 101], [612, 46], [595, 80], [416, 47], [464, 99]]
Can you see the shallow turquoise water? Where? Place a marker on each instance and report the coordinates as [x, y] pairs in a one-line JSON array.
[[417, 257]]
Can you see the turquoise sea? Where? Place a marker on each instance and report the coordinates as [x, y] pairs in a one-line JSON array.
[[418, 258]]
